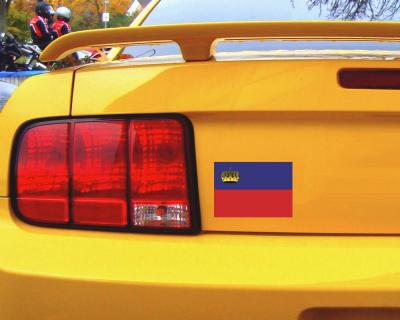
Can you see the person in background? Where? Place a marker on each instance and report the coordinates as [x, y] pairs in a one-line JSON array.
[[52, 17], [62, 26], [40, 31]]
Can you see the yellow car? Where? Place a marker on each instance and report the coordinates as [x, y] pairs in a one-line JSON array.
[[259, 181]]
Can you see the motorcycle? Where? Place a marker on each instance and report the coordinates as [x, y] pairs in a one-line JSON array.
[[80, 57], [16, 56]]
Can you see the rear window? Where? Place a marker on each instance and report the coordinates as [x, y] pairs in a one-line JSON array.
[[197, 11], [178, 11]]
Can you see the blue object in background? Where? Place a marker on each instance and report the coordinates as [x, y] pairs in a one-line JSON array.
[[17, 77]]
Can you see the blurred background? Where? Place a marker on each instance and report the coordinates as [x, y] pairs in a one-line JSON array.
[[87, 14]]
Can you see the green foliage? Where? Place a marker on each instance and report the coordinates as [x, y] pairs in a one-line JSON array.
[[85, 21], [119, 20], [18, 24], [90, 21]]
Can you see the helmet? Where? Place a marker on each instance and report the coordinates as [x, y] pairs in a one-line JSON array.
[[63, 12], [43, 9]]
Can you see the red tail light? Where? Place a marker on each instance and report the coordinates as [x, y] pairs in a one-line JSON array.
[[388, 79], [42, 177], [99, 173], [135, 174], [158, 174]]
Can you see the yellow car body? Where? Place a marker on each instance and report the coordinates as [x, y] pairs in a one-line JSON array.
[[338, 256]]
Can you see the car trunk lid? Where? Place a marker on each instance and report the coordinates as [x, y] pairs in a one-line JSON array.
[[341, 144]]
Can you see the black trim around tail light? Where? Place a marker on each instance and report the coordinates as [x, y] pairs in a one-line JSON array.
[[121, 173]]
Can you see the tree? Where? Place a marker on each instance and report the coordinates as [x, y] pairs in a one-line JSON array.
[[17, 22], [4, 7], [87, 13], [18, 15], [358, 9]]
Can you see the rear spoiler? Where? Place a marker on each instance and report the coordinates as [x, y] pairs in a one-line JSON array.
[[196, 40]]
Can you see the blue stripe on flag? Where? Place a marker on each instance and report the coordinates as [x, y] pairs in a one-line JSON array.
[[255, 175]]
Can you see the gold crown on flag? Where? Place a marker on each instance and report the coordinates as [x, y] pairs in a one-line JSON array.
[[230, 176]]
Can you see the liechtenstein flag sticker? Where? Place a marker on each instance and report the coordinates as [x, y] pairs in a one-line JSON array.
[[253, 189]]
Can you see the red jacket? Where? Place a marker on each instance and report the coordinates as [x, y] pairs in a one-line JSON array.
[[40, 32], [61, 27]]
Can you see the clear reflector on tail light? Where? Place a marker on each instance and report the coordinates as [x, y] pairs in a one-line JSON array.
[[122, 174]]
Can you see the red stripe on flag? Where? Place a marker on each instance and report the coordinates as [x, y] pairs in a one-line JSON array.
[[252, 203]]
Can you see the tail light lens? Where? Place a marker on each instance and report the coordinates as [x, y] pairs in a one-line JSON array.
[[380, 79], [158, 175], [99, 173], [122, 174], [42, 174]]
